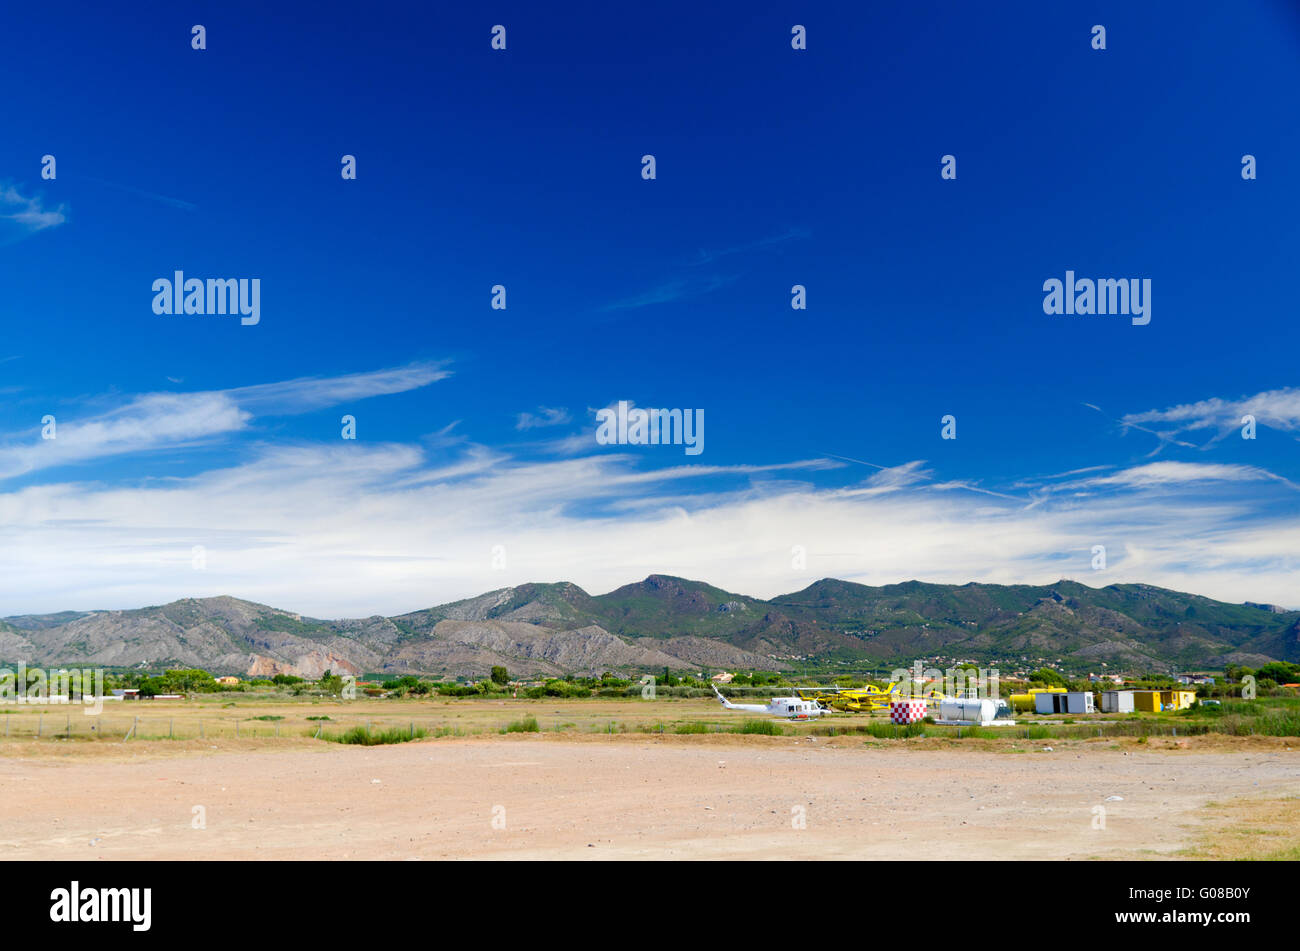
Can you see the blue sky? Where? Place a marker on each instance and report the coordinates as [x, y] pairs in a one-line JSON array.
[[522, 167]]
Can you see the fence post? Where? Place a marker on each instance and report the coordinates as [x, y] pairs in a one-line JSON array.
[[68, 732], [201, 733], [40, 725], [171, 729], [412, 729], [277, 727], [236, 729], [319, 726]]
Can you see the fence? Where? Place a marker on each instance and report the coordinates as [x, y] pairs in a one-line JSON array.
[[73, 726]]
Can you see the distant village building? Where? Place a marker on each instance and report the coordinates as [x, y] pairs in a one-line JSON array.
[[723, 678], [227, 681]]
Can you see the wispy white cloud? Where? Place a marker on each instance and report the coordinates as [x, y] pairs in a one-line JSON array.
[[912, 473], [545, 416], [145, 423], [364, 528], [675, 289], [152, 196], [704, 256], [304, 394], [26, 215], [1279, 409], [154, 421], [688, 283], [358, 528], [1163, 438], [1178, 473]]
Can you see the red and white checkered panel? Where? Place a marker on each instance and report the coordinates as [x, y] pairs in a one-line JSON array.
[[906, 711]]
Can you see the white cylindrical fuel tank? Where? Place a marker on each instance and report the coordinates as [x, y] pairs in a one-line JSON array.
[[980, 711]]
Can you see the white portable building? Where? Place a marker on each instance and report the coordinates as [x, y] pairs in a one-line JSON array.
[[1117, 701], [1049, 703], [1080, 701], [1076, 701]]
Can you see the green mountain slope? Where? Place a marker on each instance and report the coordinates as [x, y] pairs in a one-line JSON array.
[[669, 621]]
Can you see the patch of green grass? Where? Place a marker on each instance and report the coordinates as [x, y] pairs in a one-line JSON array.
[[692, 727], [360, 736], [1035, 733], [760, 728], [526, 725], [272, 717], [895, 731], [1269, 723], [1281, 855]]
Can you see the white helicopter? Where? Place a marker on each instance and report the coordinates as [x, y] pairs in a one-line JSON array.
[[791, 708]]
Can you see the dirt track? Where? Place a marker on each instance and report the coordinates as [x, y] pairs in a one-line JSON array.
[[621, 797]]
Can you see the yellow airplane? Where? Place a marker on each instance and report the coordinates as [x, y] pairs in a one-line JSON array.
[[864, 699]]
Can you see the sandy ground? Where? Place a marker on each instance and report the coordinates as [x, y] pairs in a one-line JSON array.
[[626, 797]]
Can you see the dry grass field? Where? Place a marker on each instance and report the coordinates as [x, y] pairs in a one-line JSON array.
[[224, 716]]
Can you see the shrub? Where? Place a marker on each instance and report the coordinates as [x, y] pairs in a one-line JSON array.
[[894, 731], [526, 725], [761, 728], [360, 736], [691, 728]]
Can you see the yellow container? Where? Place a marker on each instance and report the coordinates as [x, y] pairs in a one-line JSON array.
[[1025, 701], [1146, 701]]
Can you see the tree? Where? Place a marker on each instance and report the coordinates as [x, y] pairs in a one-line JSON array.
[[152, 686], [500, 676], [330, 683], [188, 680], [1278, 671]]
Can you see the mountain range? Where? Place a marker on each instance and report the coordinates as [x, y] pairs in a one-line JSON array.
[[539, 630]]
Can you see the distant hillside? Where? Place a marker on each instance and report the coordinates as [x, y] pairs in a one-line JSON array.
[[548, 629]]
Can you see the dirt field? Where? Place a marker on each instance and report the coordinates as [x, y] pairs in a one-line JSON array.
[[633, 797]]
